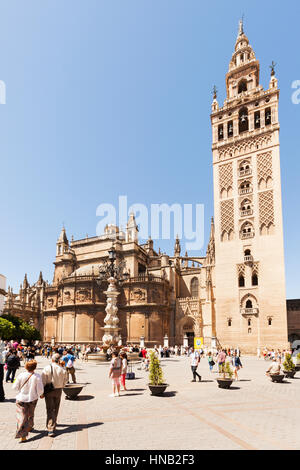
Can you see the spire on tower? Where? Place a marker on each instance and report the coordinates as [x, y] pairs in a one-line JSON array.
[[63, 237], [241, 26]]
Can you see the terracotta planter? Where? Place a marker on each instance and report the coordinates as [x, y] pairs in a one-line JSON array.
[[277, 378], [157, 389], [224, 383], [289, 373], [72, 390]]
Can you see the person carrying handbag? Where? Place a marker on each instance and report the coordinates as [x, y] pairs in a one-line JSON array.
[[29, 386], [54, 378]]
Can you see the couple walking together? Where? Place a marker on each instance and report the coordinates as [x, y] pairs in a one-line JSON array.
[[32, 386]]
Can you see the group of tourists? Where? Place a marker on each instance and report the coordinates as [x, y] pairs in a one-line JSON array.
[[30, 386], [219, 358]]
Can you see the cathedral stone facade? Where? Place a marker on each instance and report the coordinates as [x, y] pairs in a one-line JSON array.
[[232, 296]]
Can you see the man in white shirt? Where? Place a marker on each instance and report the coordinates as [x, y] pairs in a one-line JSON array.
[[57, 375], [195, 359], [2, 362]]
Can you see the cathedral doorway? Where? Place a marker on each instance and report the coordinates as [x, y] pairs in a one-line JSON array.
[[188, 330]]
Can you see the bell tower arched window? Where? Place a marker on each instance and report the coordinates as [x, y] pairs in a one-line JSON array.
[[268, 118], [243, 120], [242, 86]]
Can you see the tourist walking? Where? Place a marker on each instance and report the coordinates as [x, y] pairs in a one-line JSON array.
[[221, 359], [12, 363], [236, 362], [56, 375], [115, 373], [195, 360], [2, 362], [124, 360], [69, 360], [211, 361], [29, 386]]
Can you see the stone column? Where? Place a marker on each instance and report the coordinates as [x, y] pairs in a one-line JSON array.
[[185, 341], [142, 341], [166, 341], [111, 335]]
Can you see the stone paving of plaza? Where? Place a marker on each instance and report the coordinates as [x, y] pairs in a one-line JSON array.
[[254, 414]]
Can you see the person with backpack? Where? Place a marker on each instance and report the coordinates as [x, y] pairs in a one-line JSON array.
[[12, 363], [30, 387], [69, 360], [115, 373]]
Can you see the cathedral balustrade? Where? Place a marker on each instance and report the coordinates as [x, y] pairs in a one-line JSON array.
[[249, 311], [146, 278]]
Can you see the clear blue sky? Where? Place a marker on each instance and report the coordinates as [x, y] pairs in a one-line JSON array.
[[112, 97]]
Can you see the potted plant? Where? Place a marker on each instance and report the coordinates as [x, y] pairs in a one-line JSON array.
[[289, 368], [225, 375], [156, 383], [296, 361]]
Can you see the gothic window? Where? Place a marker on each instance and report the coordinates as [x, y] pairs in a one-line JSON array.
[[249, 331], [245, 168], [254, 279], [249, 305], [268, 119], [241, 281], [242, 86], [194, 287], [230, 129], [246, 207], [229, 321], [220, 132], [269, 321], [257, 120], [245, 188], [243, 120], [249, 321], [247, 252], [247, 230]]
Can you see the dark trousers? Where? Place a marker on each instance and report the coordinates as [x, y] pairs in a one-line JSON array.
[[2, 396], [195, 373], [52, 405], [10, 374]]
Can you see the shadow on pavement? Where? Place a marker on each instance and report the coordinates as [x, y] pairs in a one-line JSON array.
[[85, 397], [130, 394], [166, 394]]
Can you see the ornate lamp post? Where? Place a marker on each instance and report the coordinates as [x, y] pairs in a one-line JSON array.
[[114, 274]]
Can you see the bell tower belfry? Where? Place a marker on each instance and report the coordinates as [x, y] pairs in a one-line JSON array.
[[250, 279]]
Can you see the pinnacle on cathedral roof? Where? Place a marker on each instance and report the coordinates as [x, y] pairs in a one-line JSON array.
[[63, 237]]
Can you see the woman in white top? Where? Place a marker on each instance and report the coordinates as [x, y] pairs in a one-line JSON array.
[[30, 387]]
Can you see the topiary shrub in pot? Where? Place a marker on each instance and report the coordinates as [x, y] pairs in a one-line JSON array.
[[156, 383], [289, 368], [225, 378]]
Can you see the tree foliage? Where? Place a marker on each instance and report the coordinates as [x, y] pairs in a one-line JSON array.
[[155, 371], [7, 329], [21, 329]]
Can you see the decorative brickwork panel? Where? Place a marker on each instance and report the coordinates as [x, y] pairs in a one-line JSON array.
[[244, 146], [241, 270], [227, 216], [266, 208], [225, 176], [264, 166]]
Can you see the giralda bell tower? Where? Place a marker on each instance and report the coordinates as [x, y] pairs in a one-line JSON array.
[[250, 279]]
